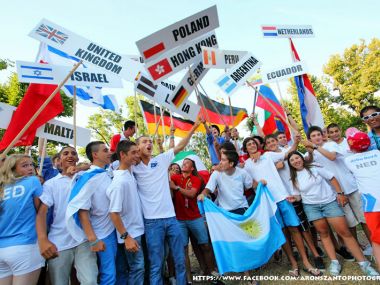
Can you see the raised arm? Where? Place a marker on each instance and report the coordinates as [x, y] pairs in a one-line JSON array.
[[184, 142]]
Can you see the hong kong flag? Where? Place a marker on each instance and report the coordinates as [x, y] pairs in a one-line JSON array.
[[160, 69]]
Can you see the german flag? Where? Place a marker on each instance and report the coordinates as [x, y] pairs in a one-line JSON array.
[[238, 114], [183, 126], [180, 96]]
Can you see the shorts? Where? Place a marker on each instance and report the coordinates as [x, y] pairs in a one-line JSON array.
[[286, 215], [20, 259], [304, 222], [355, 204], [198, 229], [373, 223], [319, 211]]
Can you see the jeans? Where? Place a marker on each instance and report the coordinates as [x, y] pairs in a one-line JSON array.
[[136, 265], [121, 265], [156, 231], [84, 261], [106, 260]]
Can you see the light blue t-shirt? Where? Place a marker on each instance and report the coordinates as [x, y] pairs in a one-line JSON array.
[[18, 214]]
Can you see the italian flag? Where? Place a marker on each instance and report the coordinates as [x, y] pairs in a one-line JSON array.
[[191, 155]]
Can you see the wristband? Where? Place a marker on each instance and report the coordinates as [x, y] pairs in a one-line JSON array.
[[93, 243], [124, 235], [340, 193], [177, 188], [172, 137]]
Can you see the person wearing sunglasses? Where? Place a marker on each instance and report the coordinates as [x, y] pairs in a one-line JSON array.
[[371, 116]]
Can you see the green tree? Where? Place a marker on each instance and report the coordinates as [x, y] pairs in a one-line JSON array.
[[134, 107], [198, 144], [356, 75]]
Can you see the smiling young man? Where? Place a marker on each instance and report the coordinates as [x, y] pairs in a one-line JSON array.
[[126, 214], [371, 116], [159, 215], [58, 246], [93, 214]]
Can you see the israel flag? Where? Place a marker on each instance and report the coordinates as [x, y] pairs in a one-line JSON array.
[[89, 96], [244, 242]]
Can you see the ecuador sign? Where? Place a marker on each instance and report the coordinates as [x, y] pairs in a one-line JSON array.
[[180, 58], [297, 68], [238, 74], [285, 31], [31, 72], [217, 58], [86, 50], [178, 33]]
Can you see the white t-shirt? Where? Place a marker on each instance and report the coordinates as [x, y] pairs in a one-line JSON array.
[[337, 166], [153, 186], [265, 169], [98, 204], [124, 199], [366, 168], [285, 173], [230, 188], [56, 193], [314, 189]]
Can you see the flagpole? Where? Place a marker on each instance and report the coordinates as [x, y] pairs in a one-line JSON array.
[[162, 123], [255, 99], [33, 118], [229, 102], [199, 98], [137, 129], [271, 105], [282, 103], [75, 116], [42, 158]]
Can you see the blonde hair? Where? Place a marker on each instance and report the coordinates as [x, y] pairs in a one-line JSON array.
[[8, 173]]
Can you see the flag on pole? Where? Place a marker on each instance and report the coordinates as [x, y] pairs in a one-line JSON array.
[[34, 97], [236, 239], [209, 57], [310, 111], [88, 96], [274, 112]]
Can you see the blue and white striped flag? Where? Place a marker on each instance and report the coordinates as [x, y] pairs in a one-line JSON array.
[[89, 96], [37, 72], [77, 199], [227, 84], [244, 242]]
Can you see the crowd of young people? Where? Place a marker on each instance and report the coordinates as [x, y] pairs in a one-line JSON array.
[[128, 217]]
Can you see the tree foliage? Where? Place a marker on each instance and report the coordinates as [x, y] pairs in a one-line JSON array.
[[356, 75]]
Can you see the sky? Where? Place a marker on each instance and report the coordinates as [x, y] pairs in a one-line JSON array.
[[118, 24]]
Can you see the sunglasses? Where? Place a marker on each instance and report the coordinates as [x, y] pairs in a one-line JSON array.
[[373, 115]]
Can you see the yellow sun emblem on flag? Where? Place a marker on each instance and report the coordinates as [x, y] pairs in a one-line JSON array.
[[251, 228]]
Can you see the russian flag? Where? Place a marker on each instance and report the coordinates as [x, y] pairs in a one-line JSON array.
[[269, 31], [310, 111]]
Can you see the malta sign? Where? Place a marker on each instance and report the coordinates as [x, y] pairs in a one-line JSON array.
[[297, 68], [217, 58], [180, 58], [286, 31], [178, 33], [31, 72], [86, 50], [53, 130], [238, 74], [62, 132]]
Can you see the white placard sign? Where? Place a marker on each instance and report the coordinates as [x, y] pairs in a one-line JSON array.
[[287, 31], [186, 86], [294, 69], [6, 112], [160, 94], [63, 132], [32, 72], [86, 50], [238, 74], [218, 58], [180, 58], [178, 33]]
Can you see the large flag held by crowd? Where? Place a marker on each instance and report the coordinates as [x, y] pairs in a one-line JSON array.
[[236, 239]]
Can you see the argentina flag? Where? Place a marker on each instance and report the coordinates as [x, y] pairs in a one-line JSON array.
[[244, 242], [88, 96]]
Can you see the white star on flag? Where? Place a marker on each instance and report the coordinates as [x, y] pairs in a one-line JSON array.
[[159, 69]]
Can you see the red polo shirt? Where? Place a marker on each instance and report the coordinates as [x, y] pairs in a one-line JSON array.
[[186, 208]]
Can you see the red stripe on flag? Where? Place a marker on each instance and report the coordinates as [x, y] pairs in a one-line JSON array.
[[154, 50], [213, 60], [205, 56], [269, 28]]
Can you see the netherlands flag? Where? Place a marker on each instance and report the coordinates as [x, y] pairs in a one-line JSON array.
[[310, 111], [269, 31]]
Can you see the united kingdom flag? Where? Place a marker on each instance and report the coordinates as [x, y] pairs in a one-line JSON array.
[[52, 34]]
